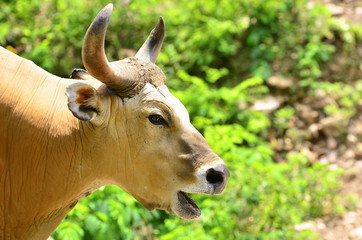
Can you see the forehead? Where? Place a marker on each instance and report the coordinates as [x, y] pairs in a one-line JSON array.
[[161, 97]]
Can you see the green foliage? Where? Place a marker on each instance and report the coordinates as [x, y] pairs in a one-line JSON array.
[[282, 117], [69, 230], [216, 55], [346, 97], [218, 105], [109, 214]]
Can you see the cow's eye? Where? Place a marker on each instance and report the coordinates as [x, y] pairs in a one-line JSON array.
[[157, 120]]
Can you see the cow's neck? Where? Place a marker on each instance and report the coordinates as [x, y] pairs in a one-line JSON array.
[[47, 177], [47, 165], [48, 158]]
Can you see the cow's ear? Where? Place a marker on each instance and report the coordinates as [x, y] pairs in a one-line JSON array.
[[83, 101]]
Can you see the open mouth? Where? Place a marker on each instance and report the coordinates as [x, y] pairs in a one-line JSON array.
[[188, 205]]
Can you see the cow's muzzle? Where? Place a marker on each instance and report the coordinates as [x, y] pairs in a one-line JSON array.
[[217, 177], [212, 179]]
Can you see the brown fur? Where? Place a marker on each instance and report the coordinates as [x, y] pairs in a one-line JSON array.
[[84, 95]]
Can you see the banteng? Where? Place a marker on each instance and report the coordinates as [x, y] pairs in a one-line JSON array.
[[114, 124]]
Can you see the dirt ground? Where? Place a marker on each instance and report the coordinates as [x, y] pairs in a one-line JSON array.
[[350, 10], [347, 226]]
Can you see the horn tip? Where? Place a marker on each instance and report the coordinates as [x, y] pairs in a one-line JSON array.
[[109, 6], [107, 9], [160, 23], [100, 22]]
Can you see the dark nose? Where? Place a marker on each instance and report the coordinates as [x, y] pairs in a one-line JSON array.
[[218, 177]]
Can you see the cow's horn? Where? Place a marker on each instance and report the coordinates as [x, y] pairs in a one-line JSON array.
[[152, 46], [94, 57]]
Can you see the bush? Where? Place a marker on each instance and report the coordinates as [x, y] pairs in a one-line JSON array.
[[217, 56]]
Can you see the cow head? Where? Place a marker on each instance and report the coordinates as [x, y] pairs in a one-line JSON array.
[[158, 154]]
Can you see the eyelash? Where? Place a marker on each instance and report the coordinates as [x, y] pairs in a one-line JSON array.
[[157, 120]]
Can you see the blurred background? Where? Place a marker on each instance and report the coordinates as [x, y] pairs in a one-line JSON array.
[[274, 86]]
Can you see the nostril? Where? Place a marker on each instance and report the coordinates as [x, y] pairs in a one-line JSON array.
[[214, 177]]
